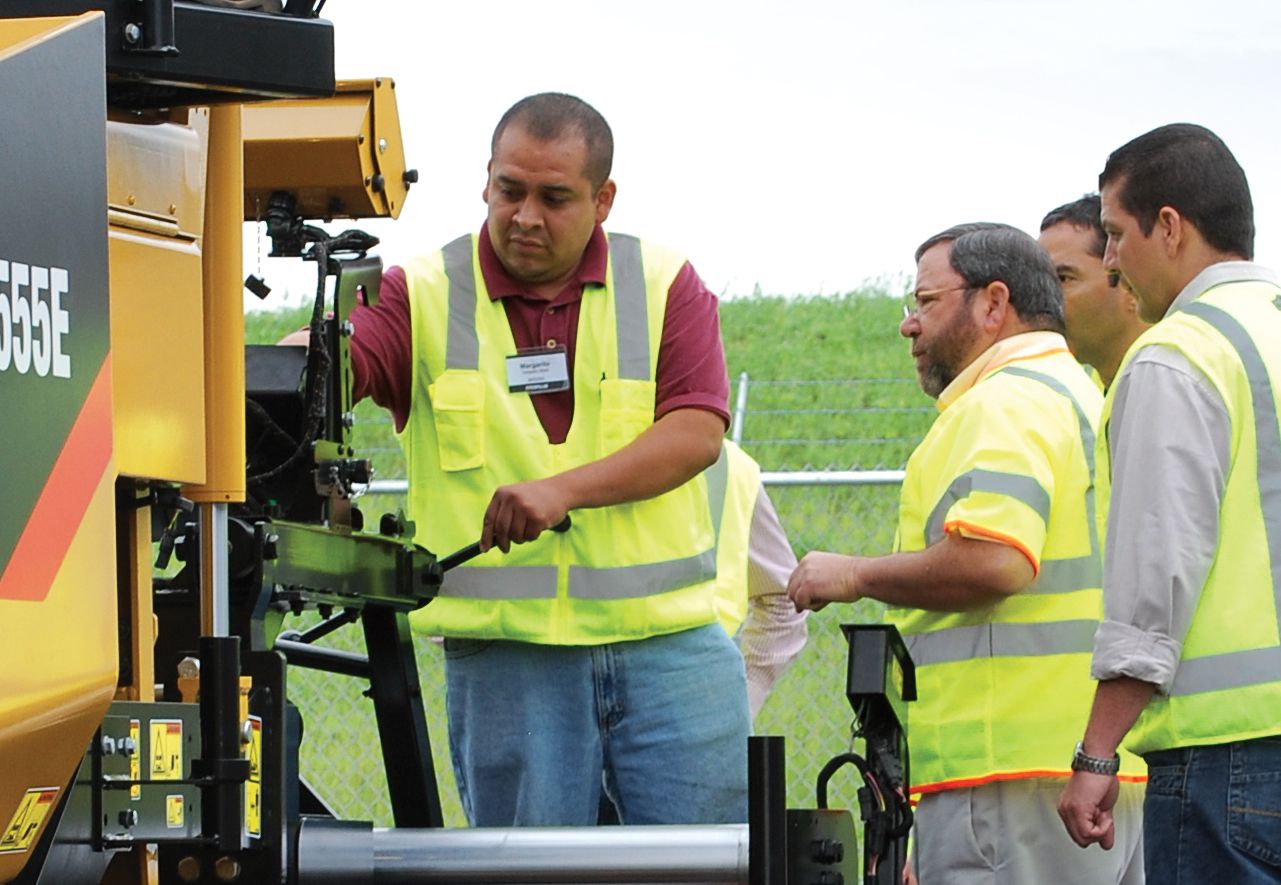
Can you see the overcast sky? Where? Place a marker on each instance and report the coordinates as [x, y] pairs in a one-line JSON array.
[[808, 146]]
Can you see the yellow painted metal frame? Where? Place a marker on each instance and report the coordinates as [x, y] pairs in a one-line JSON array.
[[331, 154]]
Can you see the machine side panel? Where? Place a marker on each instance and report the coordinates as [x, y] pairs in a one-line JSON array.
[[58, 653]]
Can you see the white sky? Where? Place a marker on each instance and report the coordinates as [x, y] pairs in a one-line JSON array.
[[809, 146]]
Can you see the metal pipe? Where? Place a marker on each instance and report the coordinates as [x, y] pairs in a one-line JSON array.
[[769, 478], [834, 478], [215, 595], [683, 855], [329, 660], [740, 410]]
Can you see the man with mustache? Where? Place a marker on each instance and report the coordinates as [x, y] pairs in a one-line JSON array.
[[543, 367], [995, 582]]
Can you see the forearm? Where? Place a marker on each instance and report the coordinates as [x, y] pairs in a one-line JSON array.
[[672, 451], [955, 574], [1117, 705], [772, 637]]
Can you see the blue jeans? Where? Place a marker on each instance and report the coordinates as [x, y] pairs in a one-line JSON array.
[[660, 724], [1213, 814]]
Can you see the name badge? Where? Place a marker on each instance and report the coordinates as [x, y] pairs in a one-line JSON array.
[[544, 370]]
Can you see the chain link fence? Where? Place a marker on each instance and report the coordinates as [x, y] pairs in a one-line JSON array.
[[832, 452]]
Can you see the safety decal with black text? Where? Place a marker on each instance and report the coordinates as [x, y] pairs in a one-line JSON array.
[[253, 786], [22, 830], [166, 749], [135, 766], [174, 816]]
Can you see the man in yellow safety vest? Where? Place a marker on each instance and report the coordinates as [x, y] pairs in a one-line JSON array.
[[541, 367], [995, 582], [1099, 314], [1188, 656]]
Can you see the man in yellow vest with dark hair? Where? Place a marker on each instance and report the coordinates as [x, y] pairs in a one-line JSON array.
[[1100, 316], [995, 582], [1188, 656], [540, 368]]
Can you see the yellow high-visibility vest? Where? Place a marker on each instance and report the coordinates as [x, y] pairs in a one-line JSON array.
[[1228, 683], [625, 572], [1004, 692], [733, 484]]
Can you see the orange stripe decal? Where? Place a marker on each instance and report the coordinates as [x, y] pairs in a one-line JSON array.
[[962, 783], [61, 506], [969, 528]]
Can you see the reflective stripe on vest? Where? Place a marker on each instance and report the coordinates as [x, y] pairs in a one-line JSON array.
[[627, 582], [631, 310], [1001, 640], [1255, 666], [717, 485], [1012, 485], [462, 348], [1066, 575]]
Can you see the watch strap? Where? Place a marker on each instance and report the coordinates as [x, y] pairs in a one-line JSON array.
[[1083, 761]]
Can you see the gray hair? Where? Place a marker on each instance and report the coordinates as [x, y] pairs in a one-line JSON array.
[[985, 252]]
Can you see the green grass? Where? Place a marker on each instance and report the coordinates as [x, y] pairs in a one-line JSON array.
[[831, 387]]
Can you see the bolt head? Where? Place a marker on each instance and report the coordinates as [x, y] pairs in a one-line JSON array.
[[133, 32], [189, 869], [227, 869]]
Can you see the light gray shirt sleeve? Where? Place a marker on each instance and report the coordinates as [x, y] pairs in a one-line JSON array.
[[773, 632], [1170, 442]]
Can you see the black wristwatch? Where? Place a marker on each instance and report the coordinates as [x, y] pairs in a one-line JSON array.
[[1083, 761]]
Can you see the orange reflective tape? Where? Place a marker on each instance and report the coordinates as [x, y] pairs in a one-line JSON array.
[[964, 782], [968, 528]]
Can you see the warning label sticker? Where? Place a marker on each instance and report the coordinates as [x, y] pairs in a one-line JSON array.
[[135, 766], [22, 830], [253, 786], [166, 749], [174, 817]]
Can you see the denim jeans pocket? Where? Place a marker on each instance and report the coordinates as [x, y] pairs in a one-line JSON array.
[[1167, 780], [1254, 815], [465, 648]]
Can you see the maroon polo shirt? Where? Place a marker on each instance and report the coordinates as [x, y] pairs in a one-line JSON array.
[[691, 359]]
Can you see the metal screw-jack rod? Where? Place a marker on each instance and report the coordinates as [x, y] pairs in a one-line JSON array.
[[215, 605]]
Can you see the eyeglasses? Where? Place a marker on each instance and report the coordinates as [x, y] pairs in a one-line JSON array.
[[918, 303]]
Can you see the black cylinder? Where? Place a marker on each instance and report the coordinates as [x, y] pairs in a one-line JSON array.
[[766, 811], [334, 852], [157, 27], [220, 760]]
